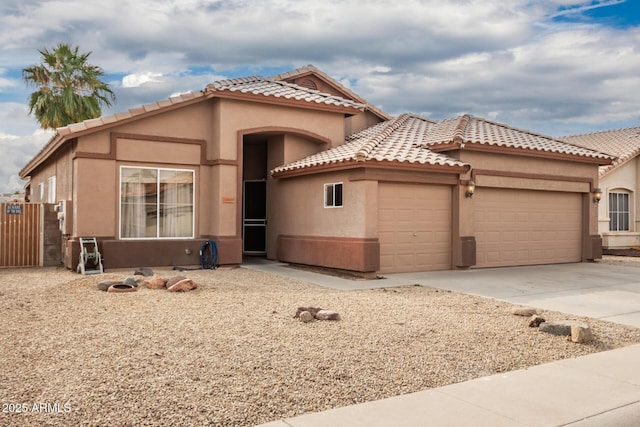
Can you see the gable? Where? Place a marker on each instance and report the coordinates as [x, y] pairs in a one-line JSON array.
[[314, 79]]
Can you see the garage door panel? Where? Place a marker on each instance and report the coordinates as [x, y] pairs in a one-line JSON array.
[[414, 223], [532, 227]]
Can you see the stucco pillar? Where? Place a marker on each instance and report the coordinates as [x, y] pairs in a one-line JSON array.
[[463, 244]]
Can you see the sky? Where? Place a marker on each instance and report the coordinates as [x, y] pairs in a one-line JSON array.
[[555, 67]]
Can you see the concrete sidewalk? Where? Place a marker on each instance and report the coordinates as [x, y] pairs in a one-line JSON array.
[[601, 389]]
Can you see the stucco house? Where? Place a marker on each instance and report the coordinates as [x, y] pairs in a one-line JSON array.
[[298, 168], [618, 221]]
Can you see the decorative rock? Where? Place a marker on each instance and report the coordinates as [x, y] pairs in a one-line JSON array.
[[103, 286], [183, 286], [312, 310], [172, 281], [154, 282], [306, 317], [561, 327], [535, 321], [143, 271], [581, 333], [327, 315], [131, 281], [524, 311]]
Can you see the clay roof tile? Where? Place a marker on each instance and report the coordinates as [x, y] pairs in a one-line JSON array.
[[621, 143]]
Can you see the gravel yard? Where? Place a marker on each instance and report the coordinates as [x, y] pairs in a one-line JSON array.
[[230, 353]]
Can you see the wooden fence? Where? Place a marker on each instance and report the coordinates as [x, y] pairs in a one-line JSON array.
[[21, 229]]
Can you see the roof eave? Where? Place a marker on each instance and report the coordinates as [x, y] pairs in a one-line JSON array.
[[50, 147], [313, 71], [58, 140], [537, 153], [373, 164], [227, 94]]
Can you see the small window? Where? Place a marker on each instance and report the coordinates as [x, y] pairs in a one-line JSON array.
[[333, 195], [618, 211], [41, 192], [51, 189]]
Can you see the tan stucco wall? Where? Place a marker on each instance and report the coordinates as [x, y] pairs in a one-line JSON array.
[[624, 178], [300, 208], [95, 195], [233, 116], [60, 166], [191, 121]]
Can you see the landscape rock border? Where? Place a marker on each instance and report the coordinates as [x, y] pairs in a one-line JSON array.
[[576, 331]]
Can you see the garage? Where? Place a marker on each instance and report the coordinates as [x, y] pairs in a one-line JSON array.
[[414, 227], [526, 227]]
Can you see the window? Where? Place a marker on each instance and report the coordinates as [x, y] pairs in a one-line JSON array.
[[333, 195], [51, 189], [618, 211], [156, 203], [41, 192]]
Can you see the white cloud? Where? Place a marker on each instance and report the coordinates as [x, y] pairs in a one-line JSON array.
[[139, 79]]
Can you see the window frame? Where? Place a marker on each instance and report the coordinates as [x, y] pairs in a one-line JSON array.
[[617, 212], [331, 204], [157, 169], [51, 189]]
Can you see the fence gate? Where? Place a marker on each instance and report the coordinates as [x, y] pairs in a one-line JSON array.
[[21, 228]]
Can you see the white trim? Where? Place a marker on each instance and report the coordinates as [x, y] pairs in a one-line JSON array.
[[333, 206], [51, 189]]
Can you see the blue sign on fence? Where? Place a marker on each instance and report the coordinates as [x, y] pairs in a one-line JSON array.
[[13, 209]]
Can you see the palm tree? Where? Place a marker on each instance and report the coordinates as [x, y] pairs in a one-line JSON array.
[[69, 89]]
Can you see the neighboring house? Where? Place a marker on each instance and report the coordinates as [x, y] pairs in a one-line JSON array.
[[298, 168], [618, 220], [11, 198]]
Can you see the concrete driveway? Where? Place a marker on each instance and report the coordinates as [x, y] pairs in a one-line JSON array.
[[598, 290]]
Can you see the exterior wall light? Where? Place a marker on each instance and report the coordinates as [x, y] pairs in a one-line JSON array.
[[597, 195], [470, 188]]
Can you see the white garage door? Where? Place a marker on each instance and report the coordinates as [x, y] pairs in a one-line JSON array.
[[414, 227], [525, 227]]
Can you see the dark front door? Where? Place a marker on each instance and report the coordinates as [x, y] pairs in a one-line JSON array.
[[254, 217]]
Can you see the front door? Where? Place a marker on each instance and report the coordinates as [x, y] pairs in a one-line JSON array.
[[254, 217]]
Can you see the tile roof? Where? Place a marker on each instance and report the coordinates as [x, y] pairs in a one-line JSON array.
[[279, 89], [310, 69], [622, 143], [471, 130], [412, 139], [396, 140], [252, 85]]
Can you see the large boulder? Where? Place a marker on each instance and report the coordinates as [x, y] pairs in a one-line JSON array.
[[581, 333], [143, 271], [312, 310], [173, 280], [184, 285], [535, 321], [561, 327], [306, 317], [104, 286], [154, 282], [524, 311], [131, 281], [327, 315]]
